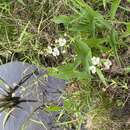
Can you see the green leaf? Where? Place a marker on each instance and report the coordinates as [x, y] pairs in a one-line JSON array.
[[69, 72], [95, 42], [66, 72], [127, 32], [62, 19], [114, 43], [114, 7], [84, 54], [128, 28], [54, 108], [127, 70], [23, 32], [68, 103], [78, 27], [21, 2], [101, 76], [84, 5], [94, 18], [104, 3]]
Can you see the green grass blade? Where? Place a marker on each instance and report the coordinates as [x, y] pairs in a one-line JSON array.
[[101, 76], [21, 2], [23, 33], [114, 44], [114, 7]]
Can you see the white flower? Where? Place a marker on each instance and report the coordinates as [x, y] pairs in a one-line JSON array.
[[56, 41], [55, 52], [107, 64], [14, 84], [13, 94], [61, 41], [65, 34], [95, 60], [64, 51], [103, 89], [23, 89], [49, 50], [92, 69]]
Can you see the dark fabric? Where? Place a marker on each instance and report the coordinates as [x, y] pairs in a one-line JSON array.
[[37, 87]]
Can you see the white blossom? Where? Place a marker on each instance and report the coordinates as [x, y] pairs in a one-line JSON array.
[[55, 52], [49, 50], [95, 60], [65, 34], [107, 64], [13, 94], [56, 41], [23, 89], [103, 89], [92, 69], [14, 84], [61, 41], [64, 51]]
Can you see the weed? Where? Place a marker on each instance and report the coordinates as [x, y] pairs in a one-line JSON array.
[[83, 42]]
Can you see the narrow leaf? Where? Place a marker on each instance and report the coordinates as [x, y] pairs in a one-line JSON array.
[[101, 76], [113, 43], [7, 116], [54, 108], [114, 7], [21, 2], [23, 32], [62, 19]]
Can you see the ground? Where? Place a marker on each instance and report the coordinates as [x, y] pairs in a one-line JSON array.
[[34, 32]]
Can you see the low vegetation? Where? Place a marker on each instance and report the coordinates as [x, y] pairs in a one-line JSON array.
[[83, 42]]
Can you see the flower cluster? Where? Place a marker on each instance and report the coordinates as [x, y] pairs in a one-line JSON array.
[[105, 64], [61, 41], [55, 51]]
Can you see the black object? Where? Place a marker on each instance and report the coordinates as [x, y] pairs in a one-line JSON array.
[[9, 100], [30, 89]]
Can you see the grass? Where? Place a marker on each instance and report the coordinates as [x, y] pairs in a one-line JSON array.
[[92, 29], [25, 32]]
